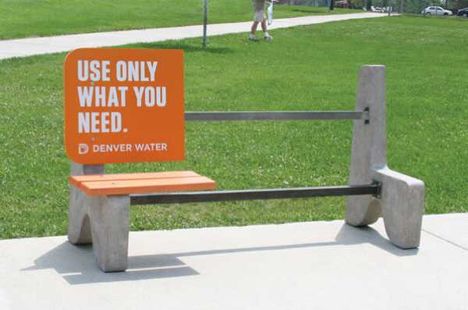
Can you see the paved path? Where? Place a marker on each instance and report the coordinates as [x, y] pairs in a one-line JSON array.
[[47, 45], [312, 265]]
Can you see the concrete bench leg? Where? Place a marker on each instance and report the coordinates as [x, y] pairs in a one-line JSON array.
[[402, 197], [110, 227], [103, 221], [402, 200], [369, 148], [79, 229]]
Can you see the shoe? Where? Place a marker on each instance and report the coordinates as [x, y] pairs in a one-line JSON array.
[[252, 37], [267, 37]]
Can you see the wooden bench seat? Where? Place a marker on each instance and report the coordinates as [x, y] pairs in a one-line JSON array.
[[141, 183]]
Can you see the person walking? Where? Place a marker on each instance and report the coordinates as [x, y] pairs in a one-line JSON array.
[[259, 18]]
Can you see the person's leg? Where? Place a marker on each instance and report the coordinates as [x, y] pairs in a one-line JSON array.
[[253, 30], [258, 8], [264, 26], [266, 35]]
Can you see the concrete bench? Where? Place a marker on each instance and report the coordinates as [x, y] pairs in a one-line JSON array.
[[99, 207], [99, 204]]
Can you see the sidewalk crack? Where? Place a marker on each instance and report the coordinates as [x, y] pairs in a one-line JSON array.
[[446, 240]]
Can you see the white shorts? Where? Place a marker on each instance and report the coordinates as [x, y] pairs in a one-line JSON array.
[[259, 10]]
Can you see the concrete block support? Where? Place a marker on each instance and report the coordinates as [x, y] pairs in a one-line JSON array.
[[402, 200], [109, 218], [79, 229], [369, 148], [402, 197], [103, 221]]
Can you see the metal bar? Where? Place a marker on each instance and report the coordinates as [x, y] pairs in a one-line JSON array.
[[205, 22], [274, 115], [255, 194]]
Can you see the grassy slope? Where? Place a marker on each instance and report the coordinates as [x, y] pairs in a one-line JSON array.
[[25, 18], [427, 125]]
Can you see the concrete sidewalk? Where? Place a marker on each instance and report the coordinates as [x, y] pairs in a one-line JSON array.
[[312, 265], [48, 45]]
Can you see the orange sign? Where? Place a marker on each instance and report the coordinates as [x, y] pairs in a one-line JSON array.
[[124, 105]]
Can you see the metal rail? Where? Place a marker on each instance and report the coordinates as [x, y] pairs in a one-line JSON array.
[[255, 194], [276, 115], [205, 22]]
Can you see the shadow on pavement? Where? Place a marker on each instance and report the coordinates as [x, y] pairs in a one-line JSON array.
[[76, 264]]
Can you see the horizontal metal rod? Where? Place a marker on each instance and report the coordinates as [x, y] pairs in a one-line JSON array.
[[255, 194], [274, 115]]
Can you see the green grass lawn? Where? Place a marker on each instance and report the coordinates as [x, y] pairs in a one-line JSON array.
[[26, 18], [312, 68]]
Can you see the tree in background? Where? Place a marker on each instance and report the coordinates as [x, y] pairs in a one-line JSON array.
[[416, 6], [357, 4], [458, 4]]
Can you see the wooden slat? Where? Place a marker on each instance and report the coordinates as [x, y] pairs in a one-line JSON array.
[[132, 176], [141, 186]]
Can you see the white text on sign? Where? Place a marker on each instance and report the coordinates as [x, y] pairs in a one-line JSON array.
[[101, 96]]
